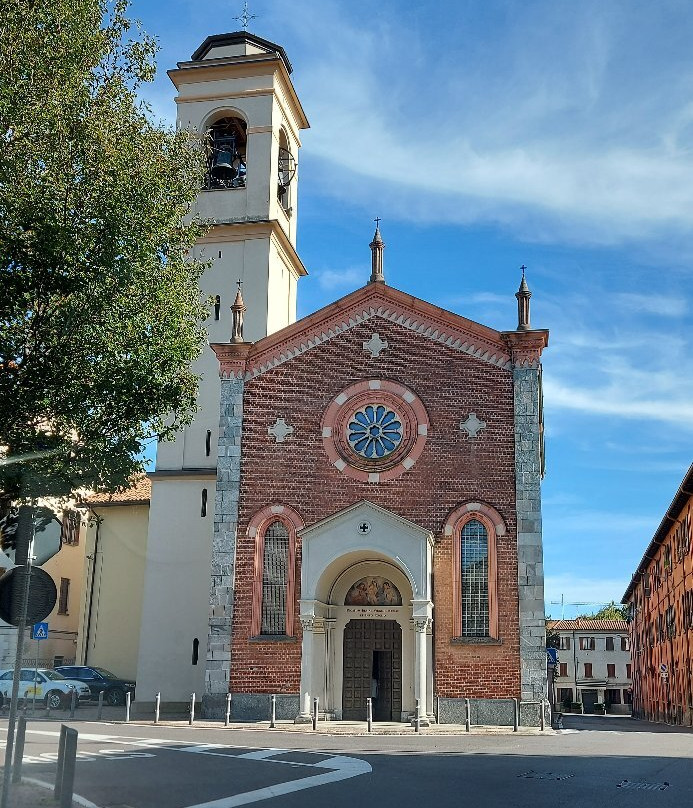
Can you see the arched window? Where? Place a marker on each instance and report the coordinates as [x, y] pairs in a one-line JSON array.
[[275, 577], [474, 529], [474, 579], [273, 606], [226, 154]]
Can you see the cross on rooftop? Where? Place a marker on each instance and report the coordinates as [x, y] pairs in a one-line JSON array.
[[245, 17]]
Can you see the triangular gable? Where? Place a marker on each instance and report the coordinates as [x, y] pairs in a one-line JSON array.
[[366, 304]]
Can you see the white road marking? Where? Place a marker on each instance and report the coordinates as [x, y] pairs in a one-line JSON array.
[[262, 754], [341, 768]]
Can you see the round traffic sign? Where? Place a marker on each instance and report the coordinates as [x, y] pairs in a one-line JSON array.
[[43, 595]]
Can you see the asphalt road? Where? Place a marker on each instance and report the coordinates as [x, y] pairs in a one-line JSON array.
[[595, 761]]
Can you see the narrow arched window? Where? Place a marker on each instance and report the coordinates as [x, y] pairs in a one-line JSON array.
[[474, 579], [275, 578]]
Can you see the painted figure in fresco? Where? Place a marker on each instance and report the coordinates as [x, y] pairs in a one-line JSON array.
[[373, 591]]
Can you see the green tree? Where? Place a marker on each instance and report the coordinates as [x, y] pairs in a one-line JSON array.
[[99, 298], [612, 611]]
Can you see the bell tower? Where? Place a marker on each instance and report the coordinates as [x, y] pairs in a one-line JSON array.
[[236, 93]]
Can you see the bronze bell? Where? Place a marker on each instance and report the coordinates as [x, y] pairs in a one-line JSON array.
[[223, 168]]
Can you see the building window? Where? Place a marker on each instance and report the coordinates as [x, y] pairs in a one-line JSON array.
[[588, 670], [564, 644], [275, 575], [629, 670], [625, 644], [587, 644], [273, 603], [64, 595], [286, 172], [627, 696], [670, 619], [609, 643], [562, 668], [69, 531], [474, 579], [203, 503], [613, 696], [217, 307], [611, 671]]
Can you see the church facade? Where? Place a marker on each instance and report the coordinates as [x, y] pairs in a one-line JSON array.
[[362, 487]]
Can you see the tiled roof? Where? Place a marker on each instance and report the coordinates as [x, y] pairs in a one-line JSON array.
[[584, 624], [139, 493]]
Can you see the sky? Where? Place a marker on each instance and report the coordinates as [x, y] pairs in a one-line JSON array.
[[487, 135]]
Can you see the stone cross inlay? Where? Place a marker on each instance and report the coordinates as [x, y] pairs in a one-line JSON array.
[[280, 430], [375, 345], [472, 426], [364, 527]]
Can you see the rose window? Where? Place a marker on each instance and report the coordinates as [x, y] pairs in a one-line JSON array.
[[375, 431]]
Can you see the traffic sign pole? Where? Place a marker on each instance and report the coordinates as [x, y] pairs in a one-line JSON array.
[[25, 535]]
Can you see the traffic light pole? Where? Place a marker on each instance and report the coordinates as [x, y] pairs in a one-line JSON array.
[[25, 535]]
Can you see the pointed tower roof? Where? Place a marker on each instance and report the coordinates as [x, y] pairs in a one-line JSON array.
[[377, 248], [238, 43]]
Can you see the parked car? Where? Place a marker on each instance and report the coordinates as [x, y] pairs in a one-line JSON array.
[[52, 688], [99, 679]]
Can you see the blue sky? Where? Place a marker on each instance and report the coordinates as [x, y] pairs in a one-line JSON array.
[[493, 134]]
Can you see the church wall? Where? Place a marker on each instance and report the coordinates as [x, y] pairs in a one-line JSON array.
[[452, 469]]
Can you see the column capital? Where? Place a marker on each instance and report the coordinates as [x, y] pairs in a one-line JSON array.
[[422, 624]]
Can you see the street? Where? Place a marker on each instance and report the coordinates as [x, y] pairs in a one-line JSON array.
[[594, 761]]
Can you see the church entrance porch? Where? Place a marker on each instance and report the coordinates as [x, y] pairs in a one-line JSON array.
[[372, 669]]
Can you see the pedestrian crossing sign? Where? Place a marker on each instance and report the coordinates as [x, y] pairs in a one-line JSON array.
[[39, 631]]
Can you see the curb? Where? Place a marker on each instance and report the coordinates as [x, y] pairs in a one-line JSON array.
[[76, 798]]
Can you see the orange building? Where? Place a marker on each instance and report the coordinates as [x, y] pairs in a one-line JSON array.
[[660, 597]]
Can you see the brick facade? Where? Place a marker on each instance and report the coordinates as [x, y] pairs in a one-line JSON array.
[[453, 468]]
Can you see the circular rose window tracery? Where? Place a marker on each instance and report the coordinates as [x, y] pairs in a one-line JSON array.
[[374, 430]]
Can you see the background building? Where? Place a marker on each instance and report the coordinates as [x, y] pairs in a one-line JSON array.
[[660, 597], [594, 664]]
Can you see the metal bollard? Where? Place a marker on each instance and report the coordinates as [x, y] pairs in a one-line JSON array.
[[99, 712], [48, 710], [315, 713], [157, 707], [128, 697], [417, 719], [19, 750], [467, 716], [542, 716], [69, 763], [516, 715], [227, 716], [61, 756], [192, 709], [273, 711], [73, 703], [369, 714]]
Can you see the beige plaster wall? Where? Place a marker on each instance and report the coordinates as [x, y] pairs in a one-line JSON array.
[[114, 582]]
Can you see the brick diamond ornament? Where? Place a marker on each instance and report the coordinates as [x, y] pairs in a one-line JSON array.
[[280, 430], [472, 426], [375, 346]]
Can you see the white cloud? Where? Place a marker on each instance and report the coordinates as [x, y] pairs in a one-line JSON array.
[[350, 278], [665, 305], [550, 127]]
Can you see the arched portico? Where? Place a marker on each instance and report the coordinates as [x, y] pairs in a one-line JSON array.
[[359, 545]]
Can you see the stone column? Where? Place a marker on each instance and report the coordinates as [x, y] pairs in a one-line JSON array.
[[421, 626], [218, 661], [307, 650], [329, 664], [527, 401]]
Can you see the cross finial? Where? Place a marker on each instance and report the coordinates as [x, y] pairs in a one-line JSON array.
[[377, 221], [523, 268], [245, 17], [239, 283]]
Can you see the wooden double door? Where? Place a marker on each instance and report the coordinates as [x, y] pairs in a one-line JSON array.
[[372, 668]]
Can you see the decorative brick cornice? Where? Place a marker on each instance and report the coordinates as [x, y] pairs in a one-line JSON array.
[[526, 346], [367, 303]]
